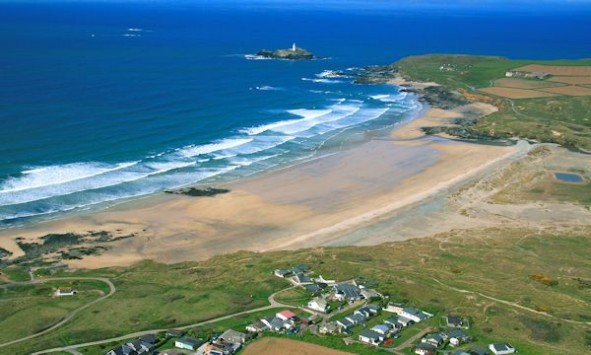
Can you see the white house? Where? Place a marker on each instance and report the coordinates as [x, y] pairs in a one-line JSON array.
[[501, 349], [370, 337], [65, 291], [319, 304], [257, 327], [415, 315], [383, 330], [187, 343], [394, 308]]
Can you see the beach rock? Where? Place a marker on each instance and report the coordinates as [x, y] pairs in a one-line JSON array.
[[195, 192]]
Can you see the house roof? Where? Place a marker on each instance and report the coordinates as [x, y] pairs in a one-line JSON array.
[[426, 346], [356, 318], [277, 323], [287, 314], [454, 320], [301, 278], [190, 341], [368, 333], [501, 347], [121, 350], [348, 290], [321, 302], [383, 328], [345, 322], [457, 333], [416, 312], [313, 288], [231, 335]]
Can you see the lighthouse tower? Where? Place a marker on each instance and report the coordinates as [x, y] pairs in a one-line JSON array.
[[293, 47]]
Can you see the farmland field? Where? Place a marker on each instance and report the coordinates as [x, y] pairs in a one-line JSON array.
[[569, 90], [573, 80], [557, 69], [279, 346], [524, 83]]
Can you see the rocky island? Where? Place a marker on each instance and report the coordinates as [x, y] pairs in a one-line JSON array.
[[293, 53]]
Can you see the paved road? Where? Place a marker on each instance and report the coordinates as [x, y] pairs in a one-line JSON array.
[[272, 304], [71, 315]]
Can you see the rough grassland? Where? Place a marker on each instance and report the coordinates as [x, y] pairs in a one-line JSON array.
[[565, 120], [513, 93], [467, 272]]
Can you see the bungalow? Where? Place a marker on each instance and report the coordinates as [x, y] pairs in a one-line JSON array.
[[368, 293], [394, 322], [356, 319], [275, 324], [405, 322], [346, 292], [345, 324], [319, 304], [370, 337], [457, 337], [364, 311], [454, 321], [425, 349], [121, 350], [383, 330], [65, 291], [415, 315], [232, 336], [222, 348], [394, 308], [286, 315], [328, 328], [141, 347], [257, 327], [374, 309], [434, 339], [187, 343], [501, 349]]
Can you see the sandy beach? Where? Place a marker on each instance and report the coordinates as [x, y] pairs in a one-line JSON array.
[[309, 204]]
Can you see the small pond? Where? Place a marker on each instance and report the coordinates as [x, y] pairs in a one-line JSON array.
[[568, 177]]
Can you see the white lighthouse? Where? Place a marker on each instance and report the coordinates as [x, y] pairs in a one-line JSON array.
[[293, 47]]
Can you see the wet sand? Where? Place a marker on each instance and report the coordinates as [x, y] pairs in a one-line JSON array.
[[309, 204]]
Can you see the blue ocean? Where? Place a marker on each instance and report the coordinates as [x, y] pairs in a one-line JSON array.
[[101, 102]]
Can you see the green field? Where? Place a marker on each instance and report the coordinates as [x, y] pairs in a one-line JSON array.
[[484, 275], [565, 120]]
